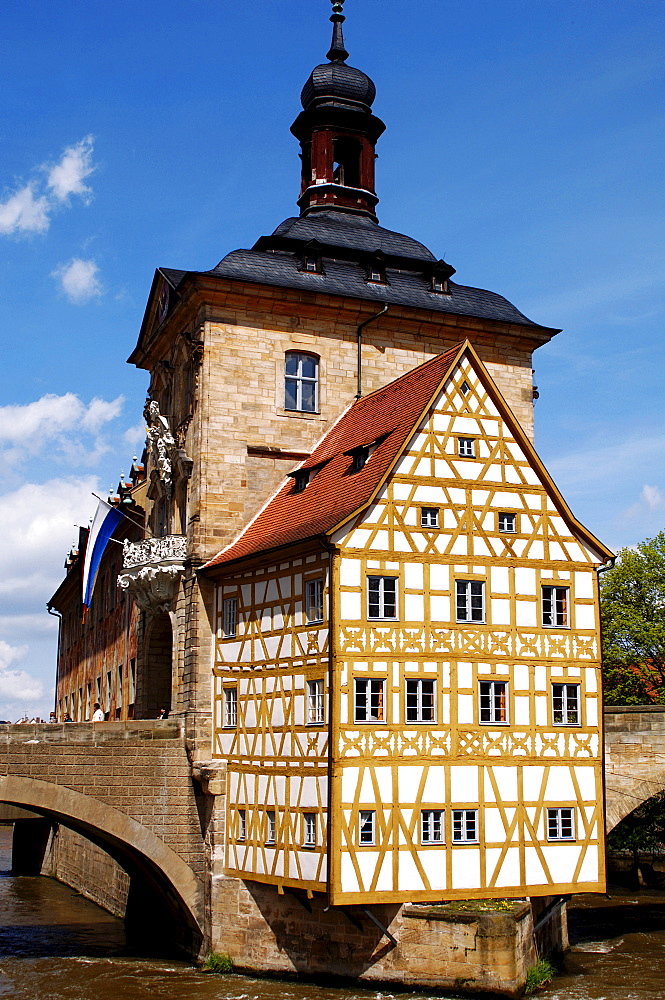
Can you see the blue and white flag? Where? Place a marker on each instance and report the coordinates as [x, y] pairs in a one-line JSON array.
[[104, 524]]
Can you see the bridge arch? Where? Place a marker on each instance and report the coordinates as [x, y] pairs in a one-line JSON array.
[[145, 857], [623, 798]]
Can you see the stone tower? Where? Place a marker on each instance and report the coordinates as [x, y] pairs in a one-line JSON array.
[[252, 361]]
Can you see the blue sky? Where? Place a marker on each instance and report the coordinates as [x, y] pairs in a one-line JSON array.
[[524, 143]]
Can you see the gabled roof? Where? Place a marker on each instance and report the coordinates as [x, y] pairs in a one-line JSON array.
[[387, 416], [386, 419]]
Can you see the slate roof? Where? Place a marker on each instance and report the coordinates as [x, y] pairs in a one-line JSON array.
[[345, 244], [334, 491]]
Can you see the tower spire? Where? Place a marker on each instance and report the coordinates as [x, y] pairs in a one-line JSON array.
[[337, 51]]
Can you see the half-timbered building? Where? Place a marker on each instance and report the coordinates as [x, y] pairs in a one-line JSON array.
[[407, 689]]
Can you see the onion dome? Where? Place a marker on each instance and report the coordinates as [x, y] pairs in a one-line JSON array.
[[335, 83]]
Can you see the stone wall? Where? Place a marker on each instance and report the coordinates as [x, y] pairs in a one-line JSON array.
[[634, 755], [442, 947], [88, 869]]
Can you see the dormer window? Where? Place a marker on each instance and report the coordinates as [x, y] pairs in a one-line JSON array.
[[311, 258], [359, 458], [300, 480], [376, 269], [439, 276]]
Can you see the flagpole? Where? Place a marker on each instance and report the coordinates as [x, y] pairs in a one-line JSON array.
[[137, 523]]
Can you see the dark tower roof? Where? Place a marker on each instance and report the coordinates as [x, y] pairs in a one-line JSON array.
[[335, 83]]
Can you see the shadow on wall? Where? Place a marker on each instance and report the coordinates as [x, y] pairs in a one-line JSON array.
[[340, 941]]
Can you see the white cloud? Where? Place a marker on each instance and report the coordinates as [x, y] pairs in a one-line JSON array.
[[135, 436], [28, 209], [58, 423], [39, 527], [67, 177], [22, 212], [79, 280], [17, 684], [653, 497]]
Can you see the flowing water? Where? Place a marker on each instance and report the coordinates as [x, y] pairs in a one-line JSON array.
[[57, 945]]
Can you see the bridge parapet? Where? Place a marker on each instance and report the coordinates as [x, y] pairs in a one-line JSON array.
[[91, 732]]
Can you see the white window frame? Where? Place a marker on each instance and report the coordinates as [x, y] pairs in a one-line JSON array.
[[466, 447], [383, 604], [509, 518], [431, 826], [429, 517], [489, 714], [229, 617], [299, 380], [271, 826], [315, 702], [465, 589], [571, 704], [366, 827], [309, 837], [419, 683], [560, 617], [366, 700], [465, 826], [560, 820], [314, 600], [230, 707]]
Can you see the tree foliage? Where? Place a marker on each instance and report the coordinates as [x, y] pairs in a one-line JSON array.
[[633, 617]]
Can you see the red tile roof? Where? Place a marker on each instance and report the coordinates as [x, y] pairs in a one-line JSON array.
[[334, 492]]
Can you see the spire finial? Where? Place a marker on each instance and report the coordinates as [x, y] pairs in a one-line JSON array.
[[337, 51]]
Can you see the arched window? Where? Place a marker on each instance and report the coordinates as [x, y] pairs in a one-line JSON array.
[[301, 382]]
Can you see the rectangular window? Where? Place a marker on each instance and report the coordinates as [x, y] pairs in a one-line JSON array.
[[431, 826], [465, 447], [230, 707], [314, 601], [465, 826], [420, 701], [301, 382], [242, 824], [566, 704], [309, 830], [99, 690], [555, 606], [381, 597], [132, 681], [315, 707], [230, 617], [429, 517], [369, 700], [108, 691], [560, 825], [366, 827], [508, 522], [470, 600], [118, 694], [270, 826], [493, 701]]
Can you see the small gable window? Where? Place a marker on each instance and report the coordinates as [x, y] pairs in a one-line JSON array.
[[376, 269], [310, 264], [429, 517], [465, 387], [466, 447], [301, 382], [508, 523], [439, 284]]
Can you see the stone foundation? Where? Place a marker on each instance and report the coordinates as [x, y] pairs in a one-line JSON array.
[[442, 947]]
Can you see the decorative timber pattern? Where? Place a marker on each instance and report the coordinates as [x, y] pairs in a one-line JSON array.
[[460, 661]]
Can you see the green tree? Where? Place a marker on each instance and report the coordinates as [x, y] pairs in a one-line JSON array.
[[642, 831], [633, 617]]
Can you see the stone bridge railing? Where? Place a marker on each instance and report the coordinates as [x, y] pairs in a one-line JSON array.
[[634, 757]]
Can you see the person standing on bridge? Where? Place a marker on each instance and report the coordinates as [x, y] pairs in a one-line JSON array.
[[98, 715]]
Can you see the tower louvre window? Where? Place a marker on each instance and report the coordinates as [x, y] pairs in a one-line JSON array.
[[301, 382], [346, 166]]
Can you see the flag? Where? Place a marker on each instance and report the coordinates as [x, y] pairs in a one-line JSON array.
[[104, 524]]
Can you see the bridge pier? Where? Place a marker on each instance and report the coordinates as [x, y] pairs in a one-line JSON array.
[[29, 843]]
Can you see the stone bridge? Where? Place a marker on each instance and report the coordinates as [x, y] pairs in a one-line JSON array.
[[634, 758], [127, 787]]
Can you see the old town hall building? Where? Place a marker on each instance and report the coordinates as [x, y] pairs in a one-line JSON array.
[[358, 587]]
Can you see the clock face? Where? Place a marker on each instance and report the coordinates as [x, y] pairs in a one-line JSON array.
[[163, 303]]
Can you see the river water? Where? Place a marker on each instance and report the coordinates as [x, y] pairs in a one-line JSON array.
[[57, 945]]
